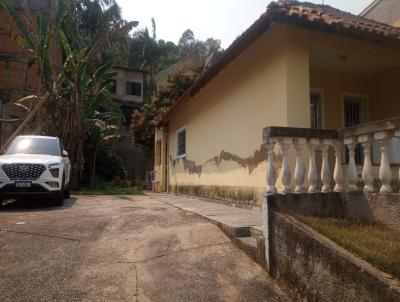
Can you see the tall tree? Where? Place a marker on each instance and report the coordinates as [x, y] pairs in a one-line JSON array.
[[187, 42], [173, 81], [145, 55]]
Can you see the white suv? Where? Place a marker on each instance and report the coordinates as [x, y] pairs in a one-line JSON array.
[[35, 165]]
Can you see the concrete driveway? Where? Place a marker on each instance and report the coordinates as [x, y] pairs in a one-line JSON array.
[[121, 249]]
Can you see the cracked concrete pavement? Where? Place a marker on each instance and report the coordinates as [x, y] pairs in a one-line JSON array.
[[122, 248]]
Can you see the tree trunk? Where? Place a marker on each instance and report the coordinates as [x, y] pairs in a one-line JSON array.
[[92, 177]]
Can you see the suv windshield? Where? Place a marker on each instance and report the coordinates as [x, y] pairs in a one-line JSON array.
[[34, 145]]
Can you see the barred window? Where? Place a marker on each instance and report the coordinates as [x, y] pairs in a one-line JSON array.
[[354, 114], [133, 88], [181, 142], [316, 110]]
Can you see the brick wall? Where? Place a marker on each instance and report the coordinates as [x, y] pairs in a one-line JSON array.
[[16, 80]]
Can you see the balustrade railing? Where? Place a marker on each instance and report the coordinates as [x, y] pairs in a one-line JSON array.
[[331, 144]]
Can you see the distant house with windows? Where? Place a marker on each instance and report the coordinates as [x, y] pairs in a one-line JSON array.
[[127, 90], [127, 87], [299, 65], [385, 11]]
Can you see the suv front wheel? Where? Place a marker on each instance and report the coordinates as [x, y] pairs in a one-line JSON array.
[[59, 199], [67, 193]]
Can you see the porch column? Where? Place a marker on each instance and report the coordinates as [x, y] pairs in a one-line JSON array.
[[297, 72]]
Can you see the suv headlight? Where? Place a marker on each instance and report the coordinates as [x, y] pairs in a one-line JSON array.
[[54, 170]]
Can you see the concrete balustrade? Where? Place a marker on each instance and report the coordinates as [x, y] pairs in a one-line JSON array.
[[322, 147], [312, 167], [299, 171]]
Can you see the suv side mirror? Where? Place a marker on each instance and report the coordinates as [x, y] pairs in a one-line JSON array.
[[65, 153]]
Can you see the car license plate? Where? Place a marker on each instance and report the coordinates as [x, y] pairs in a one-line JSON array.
[[23, 184]]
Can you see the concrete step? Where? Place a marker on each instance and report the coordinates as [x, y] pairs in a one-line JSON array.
[[256, 232], [232, 230], [253, 247], [248, 245]]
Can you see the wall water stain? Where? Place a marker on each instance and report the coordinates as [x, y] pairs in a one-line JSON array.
[[250, 162]]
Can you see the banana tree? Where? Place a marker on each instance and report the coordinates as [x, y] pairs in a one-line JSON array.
[[76, 87], [101, 131]]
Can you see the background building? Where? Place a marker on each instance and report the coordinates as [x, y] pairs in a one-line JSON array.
[[385, 11], [127, 91]]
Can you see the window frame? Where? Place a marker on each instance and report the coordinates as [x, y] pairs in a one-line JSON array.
[[364, 115], [180, 130], [364, 101], [131, 84], [113, 88], [321, 92], [157, 153]]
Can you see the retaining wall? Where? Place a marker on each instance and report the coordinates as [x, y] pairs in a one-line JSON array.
[[314, 268]]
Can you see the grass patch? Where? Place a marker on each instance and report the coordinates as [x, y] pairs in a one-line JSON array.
[[375, 243], [107, 189]]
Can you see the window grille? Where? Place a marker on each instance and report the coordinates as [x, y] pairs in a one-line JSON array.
[[354, 114], [133, 88], [316, 110], [181, 142]]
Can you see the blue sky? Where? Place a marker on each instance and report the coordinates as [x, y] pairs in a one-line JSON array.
[[220, 19]]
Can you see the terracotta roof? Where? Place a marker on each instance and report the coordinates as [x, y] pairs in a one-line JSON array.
[[332, 19], [303, 14]]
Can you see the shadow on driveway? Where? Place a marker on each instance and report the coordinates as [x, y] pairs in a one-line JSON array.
[[33, 204]]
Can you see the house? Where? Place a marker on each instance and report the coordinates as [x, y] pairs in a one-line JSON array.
[[384, 11], [127, 87], [299, 65], [127, 92]]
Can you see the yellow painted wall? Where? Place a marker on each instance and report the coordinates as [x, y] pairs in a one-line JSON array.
[[385, 95], [297, 78], [160, 184], [382, 90], [345, 45], [335, 78], [229, 114], [333, 84]]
